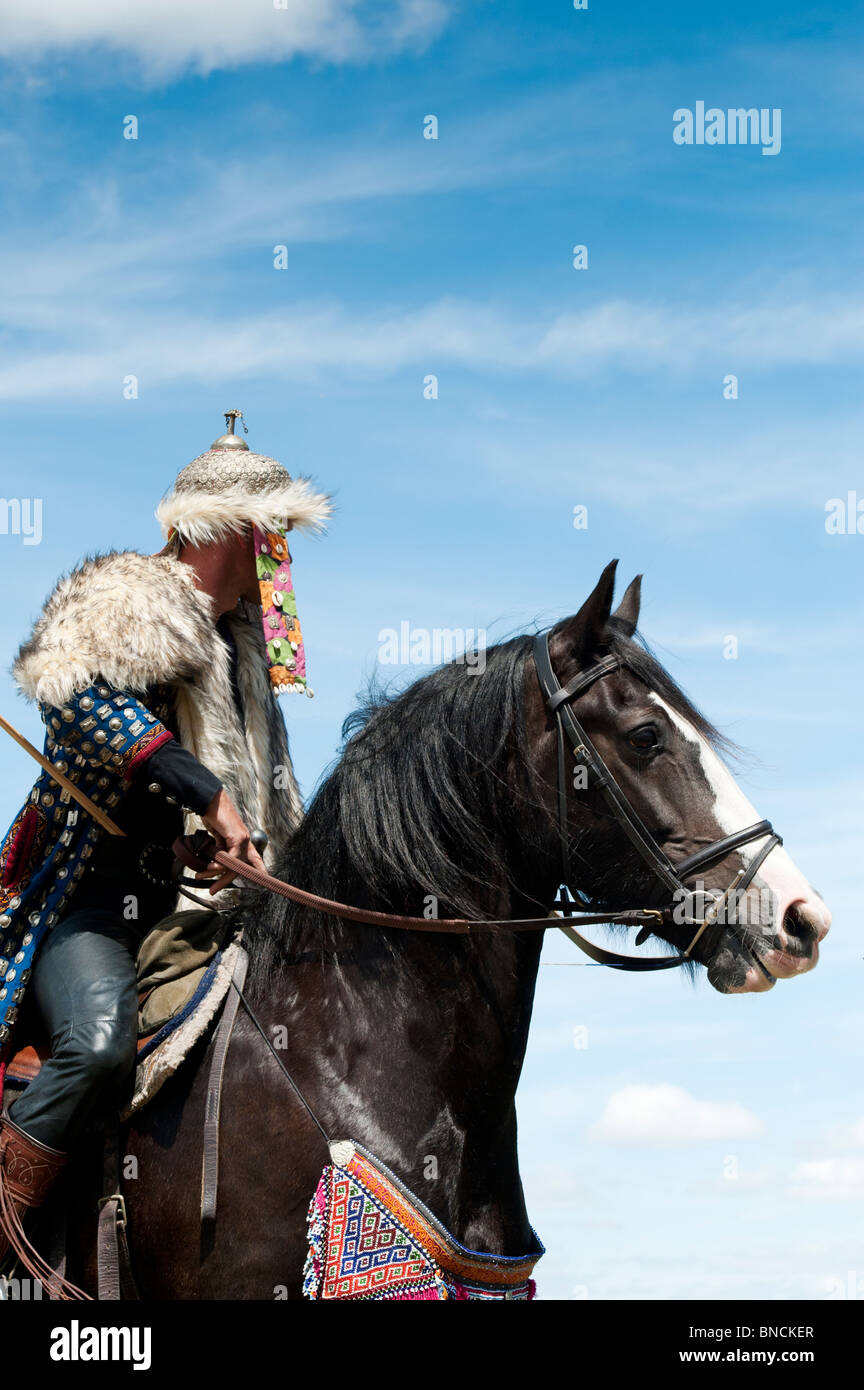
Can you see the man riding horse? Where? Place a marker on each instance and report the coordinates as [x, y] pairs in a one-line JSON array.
[[155, 677]]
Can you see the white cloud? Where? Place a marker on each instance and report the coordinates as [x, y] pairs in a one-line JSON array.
[[831, 1179], [848, 1136], [167, 36], [670, 1115]]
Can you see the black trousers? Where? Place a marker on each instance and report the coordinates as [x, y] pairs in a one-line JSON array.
[[84, 985]]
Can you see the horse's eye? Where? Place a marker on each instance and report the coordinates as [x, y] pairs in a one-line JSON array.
[[643, 739]]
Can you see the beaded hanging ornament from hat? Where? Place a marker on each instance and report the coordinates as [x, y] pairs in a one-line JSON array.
[[227, 488]]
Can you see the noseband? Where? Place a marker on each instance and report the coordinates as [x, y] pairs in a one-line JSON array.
[[558, 700]]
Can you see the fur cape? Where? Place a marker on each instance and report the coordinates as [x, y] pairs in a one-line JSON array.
[[136, 621]]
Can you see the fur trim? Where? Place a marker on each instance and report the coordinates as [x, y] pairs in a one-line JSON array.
[[137, 620], [201, 517], [155, 1070]]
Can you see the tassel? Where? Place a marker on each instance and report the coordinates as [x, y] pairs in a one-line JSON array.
[[59, 1289]]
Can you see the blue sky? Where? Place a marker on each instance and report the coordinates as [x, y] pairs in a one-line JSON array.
[[557, 387]]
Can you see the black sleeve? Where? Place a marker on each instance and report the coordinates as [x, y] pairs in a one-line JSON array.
[[178, 775]]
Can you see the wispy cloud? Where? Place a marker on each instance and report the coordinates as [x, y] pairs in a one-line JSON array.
[[805, 463], [310, 338]]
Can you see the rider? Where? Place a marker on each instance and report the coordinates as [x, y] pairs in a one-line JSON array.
[[155, 676]]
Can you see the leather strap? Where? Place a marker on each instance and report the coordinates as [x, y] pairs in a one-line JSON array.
[[612, 958], [107, 1254], [630, 917], [115, 1280], [587, 756], [210, 1160], [720, 848]]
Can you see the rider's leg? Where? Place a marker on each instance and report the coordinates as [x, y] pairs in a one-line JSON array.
[[84, 985]]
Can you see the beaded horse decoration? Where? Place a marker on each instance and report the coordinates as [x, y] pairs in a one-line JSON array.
[[370, 1238]]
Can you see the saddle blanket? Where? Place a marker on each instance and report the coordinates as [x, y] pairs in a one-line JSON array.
[[371, 1238]]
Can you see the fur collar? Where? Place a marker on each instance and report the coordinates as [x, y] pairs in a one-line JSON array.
[[140, 620], [135, 620]]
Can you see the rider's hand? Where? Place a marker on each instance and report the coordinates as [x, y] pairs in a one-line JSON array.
[[231, 833]]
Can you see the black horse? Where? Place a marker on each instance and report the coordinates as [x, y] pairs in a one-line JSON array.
[[444, 802]]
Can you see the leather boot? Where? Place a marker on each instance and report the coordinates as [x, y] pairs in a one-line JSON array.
[[28, 1170]]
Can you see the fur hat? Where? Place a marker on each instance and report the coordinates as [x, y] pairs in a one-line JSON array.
[[228, 487]]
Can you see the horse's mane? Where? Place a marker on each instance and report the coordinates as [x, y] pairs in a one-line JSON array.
[[423, 774]]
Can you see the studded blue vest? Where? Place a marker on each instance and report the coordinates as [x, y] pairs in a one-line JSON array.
[[96, 739]]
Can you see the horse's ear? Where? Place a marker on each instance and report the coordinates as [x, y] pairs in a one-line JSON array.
[[627, 612], [582, 634]]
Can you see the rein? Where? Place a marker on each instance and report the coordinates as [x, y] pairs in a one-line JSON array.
[[200, 857]]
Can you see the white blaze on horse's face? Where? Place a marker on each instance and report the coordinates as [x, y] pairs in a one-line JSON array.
[[790, 917]]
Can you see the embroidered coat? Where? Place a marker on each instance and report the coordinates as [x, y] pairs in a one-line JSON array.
[[126, 644]]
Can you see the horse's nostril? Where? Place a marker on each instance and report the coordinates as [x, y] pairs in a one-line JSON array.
[[801, 925]]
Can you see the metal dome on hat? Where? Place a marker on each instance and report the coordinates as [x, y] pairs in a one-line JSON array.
[[231, 440], [229, 487]]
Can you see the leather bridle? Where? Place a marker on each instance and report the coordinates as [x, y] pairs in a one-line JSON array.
[[558, 700], [199, 850]]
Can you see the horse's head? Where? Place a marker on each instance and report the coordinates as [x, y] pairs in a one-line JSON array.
[[664, 758]]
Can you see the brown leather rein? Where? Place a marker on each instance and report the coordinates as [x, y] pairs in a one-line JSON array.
[[201, 857]]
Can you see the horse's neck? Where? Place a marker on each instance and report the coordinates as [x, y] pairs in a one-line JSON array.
[[418, 1045]]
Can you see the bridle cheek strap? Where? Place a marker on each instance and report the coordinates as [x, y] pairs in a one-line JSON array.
[[558, 699]]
